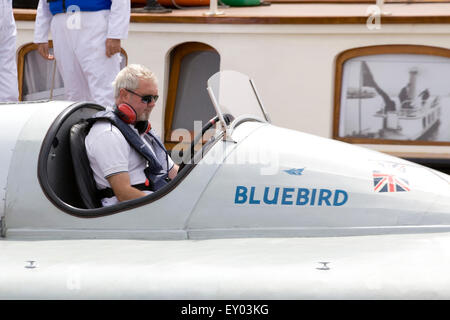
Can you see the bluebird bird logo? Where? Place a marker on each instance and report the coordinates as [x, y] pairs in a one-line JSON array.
[[295, 172]]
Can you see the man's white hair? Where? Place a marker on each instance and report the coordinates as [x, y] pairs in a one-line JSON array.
[[128, 78]]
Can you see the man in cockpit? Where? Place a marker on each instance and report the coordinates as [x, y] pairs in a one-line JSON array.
[[128, 160]]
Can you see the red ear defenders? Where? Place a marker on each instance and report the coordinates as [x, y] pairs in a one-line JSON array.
[[129, 116], [126, 113]]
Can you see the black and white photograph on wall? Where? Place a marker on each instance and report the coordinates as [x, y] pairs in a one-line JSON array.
[[396, 97]]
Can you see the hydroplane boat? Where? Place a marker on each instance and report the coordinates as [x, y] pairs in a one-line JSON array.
[[258, 212]]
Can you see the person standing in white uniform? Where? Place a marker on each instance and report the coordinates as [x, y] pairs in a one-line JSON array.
[[8, 69], [86, 41]]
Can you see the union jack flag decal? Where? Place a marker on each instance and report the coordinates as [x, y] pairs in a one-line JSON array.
[[385, 181]]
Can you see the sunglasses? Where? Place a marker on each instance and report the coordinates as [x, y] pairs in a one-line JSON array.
[[145, 99]]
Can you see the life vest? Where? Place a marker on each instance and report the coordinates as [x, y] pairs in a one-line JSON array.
[[157, 176], [60, 6]]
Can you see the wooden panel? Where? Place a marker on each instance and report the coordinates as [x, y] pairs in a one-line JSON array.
[[176, 59], [21, 53], [419, 155], [294, 13], [358, 1]]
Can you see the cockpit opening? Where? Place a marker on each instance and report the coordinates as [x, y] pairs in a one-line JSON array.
[[64, 172]]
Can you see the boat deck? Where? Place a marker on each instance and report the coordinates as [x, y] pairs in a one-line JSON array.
[[293, 13]]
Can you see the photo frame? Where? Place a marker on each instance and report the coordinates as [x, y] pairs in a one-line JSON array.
[[393, 94]]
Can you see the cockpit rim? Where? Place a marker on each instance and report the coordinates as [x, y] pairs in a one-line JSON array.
[[42, 174]]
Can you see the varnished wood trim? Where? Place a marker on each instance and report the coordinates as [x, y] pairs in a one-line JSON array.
[[393, 142], [323, 1], [229, 18], [424, 19], [124, 54], [22, 51], [176, 58], [419, 155], [374, 50], [357, 1], [24, 14]]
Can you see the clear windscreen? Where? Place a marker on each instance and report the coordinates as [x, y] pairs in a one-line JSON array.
[[234, 94]]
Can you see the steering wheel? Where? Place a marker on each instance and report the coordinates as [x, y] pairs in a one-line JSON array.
[[228, 119]]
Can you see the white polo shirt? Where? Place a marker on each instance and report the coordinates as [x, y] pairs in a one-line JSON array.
[[109, 153]]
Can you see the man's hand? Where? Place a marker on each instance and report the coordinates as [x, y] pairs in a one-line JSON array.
[[43, 51], [173, 172], [112, 47]]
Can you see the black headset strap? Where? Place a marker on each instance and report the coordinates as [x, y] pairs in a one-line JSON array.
[[162, 147]]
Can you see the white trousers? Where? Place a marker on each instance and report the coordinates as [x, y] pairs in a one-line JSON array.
[[80, 53], [8, 69]]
